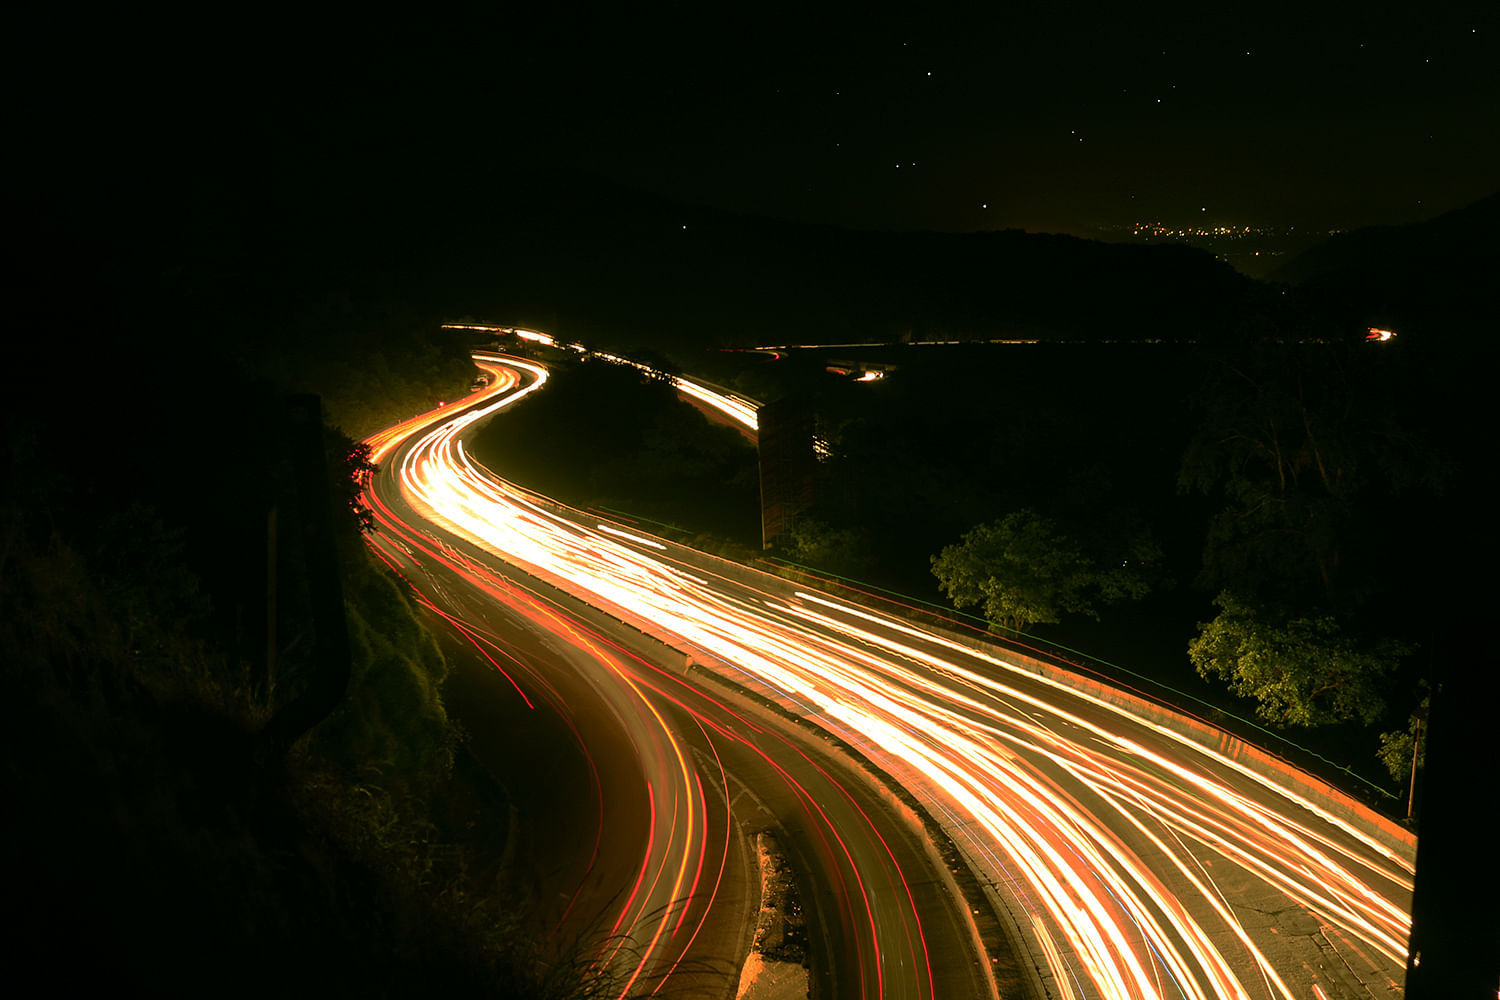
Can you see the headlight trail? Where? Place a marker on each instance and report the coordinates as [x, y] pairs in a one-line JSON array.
[[652, 926], [648, 922], [737, 409], [1121, 831]]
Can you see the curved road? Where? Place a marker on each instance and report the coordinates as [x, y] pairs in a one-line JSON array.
[[1127, 859], [652, 856]]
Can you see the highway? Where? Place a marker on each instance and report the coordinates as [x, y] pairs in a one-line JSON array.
[[668, 777], [1125, 858]]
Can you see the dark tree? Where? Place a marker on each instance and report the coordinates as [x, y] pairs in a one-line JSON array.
[[1303, 670], [1024, 569]]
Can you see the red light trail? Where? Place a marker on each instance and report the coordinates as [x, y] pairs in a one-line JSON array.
[[1109, 836]]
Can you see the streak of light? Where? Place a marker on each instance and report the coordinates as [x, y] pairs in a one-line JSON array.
[[668, 901], [1108, 826], [639, 540], [736, 408]]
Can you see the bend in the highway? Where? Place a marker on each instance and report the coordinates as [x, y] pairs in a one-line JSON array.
[[1128, 860]]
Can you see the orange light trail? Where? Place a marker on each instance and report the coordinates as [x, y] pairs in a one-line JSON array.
[[667, 902], [1111, 819]]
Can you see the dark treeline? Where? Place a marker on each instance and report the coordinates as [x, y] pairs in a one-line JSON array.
[[1433, 280], [585, 260], [198, 815], [1310, 493], [613, 269], [1279, 490]]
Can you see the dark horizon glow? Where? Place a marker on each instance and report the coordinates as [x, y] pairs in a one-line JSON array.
[[1064, 120], [1051, 121]]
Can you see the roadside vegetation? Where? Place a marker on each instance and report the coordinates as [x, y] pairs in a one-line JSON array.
[[215, 786], [205, 803], [1229, 529]]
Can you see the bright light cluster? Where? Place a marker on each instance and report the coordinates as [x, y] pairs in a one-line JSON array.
[[1112, 832], [681, 867]]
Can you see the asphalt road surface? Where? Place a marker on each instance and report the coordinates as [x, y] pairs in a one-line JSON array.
[[639, 792], [1124, 859]]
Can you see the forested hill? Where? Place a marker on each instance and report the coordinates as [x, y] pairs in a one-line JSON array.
[[585, 261], [1433, 279], [620, 268]]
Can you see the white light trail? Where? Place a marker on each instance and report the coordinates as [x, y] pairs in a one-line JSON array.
[[1110, 832]]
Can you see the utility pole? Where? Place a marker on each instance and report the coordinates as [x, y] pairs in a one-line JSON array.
[[302, 434], [1416, 746]]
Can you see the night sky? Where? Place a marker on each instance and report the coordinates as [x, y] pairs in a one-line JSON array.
[[1057, 120], [1064, 117]]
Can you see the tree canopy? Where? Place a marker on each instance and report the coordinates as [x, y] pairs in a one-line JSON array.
[[1303, 670], [1401, 748], [1024, 569], [1299, 440]]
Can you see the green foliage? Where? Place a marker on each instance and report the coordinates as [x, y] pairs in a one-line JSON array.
[[393, 720], [1023, 569], [1302, 670], [1398, 746], [816, 544], [352, 472], [1318, 472], [150, 820]]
